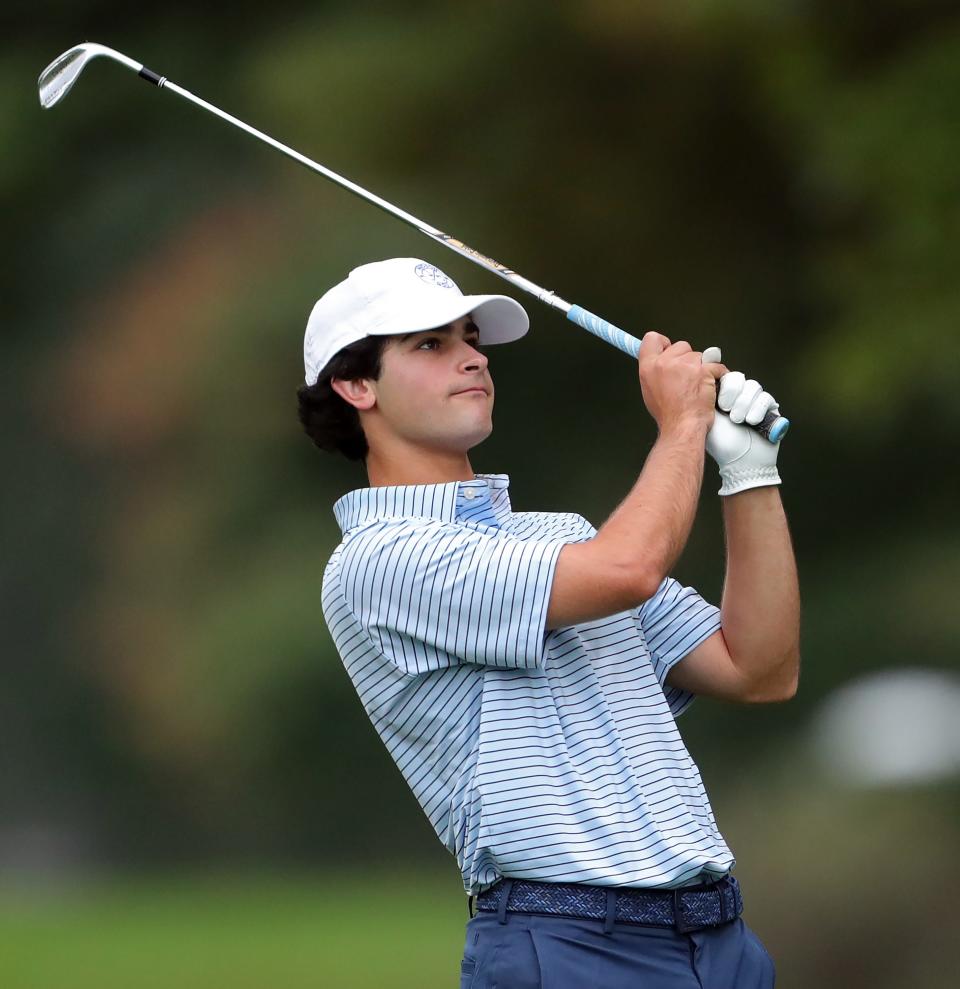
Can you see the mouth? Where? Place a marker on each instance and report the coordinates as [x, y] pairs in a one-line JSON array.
[[471, 391]]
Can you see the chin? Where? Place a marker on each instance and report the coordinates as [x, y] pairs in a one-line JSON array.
[[480, 436]]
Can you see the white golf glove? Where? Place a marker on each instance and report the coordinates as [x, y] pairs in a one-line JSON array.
[[746, 460]]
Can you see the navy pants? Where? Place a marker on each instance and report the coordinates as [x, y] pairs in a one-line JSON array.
[[531, 951]]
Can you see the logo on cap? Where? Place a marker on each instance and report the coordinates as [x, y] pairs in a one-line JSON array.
[[433, 276]]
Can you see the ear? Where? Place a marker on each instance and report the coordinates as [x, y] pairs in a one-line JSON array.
[[357, 393]]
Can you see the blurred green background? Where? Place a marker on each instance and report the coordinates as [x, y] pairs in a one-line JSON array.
[[190, 792]]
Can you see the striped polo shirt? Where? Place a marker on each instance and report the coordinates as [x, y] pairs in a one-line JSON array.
[[535, 754]]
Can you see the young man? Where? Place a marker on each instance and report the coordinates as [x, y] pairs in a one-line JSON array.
[[524, 669]]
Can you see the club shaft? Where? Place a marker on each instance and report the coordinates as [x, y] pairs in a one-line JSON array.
[[773, 426], [439, 236]]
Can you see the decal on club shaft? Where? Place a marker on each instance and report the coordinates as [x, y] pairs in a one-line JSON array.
[[458, 245]]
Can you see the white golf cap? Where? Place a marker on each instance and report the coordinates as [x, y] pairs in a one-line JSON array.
[[401, 295]]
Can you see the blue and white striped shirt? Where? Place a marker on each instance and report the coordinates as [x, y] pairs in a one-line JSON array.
[[548, 755]]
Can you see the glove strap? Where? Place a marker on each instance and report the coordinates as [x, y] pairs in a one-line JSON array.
[[735, 481]]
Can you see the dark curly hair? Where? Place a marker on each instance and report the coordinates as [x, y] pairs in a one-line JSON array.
[[332, 423]]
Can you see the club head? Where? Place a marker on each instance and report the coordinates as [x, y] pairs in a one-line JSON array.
[[58, 77]]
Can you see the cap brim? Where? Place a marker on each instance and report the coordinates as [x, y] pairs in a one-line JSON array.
[[499, 318]]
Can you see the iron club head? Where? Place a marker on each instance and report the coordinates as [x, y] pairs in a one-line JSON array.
[[58, 77]]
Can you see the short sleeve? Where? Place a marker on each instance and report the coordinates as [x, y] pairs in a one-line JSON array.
[[675, 621], [432, 594]]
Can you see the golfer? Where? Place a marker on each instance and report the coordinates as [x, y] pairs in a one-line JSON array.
[[525, 669]]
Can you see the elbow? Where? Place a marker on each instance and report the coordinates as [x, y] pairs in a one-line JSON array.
[[629, 580], [633, 585], [783, 692], [644, 585], [779, 688]]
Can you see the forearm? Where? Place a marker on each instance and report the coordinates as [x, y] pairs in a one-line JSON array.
[[760, 610], [651, 526]]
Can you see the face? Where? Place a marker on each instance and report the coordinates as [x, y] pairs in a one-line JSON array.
[[435, 389]]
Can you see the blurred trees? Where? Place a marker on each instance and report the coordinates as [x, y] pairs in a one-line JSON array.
[[778, 179]]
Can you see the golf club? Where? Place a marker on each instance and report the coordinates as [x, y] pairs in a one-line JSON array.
[[59, 77]]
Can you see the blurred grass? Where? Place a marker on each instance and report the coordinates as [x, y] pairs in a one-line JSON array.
[[831, 875], [249, 932]]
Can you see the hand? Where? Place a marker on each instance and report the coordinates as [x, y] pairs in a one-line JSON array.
[[745, 458], [678, 388]]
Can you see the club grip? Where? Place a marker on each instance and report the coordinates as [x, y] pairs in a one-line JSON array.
[[606, 331], [774, 426]]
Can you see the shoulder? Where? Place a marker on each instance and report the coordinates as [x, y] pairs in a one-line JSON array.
[[567, 526], [374, 537], [390, 534], [413, 541]]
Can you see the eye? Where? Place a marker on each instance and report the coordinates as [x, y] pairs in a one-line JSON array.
[[429, 341]]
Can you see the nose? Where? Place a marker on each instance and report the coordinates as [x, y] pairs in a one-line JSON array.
[[473, 360]]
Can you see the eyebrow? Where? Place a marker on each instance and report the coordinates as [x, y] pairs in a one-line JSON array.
[[471, 327]]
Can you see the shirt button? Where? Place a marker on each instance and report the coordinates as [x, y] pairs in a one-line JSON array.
[[469, 494]]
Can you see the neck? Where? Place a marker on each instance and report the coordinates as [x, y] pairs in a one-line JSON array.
[[417, 466]]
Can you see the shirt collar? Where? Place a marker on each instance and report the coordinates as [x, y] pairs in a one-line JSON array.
[[448, 502]]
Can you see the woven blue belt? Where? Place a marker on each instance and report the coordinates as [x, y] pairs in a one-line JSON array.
[[690, 908]]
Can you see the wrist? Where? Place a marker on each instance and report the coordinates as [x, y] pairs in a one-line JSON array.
[[688, 429]]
